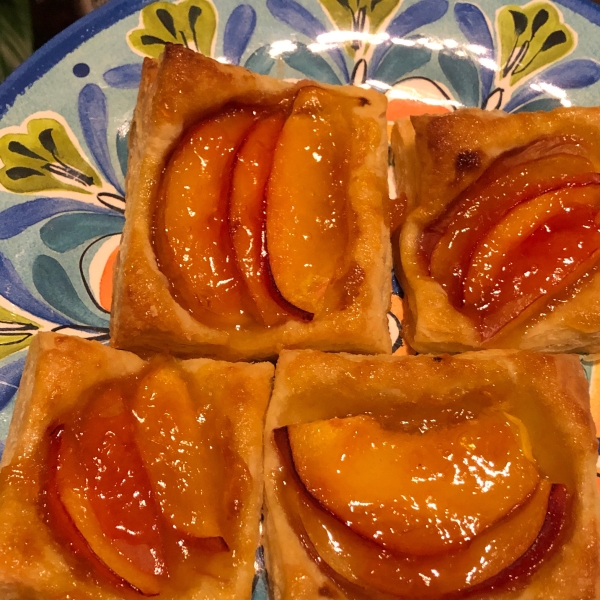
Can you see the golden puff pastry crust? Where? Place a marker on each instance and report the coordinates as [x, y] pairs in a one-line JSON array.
[[437, 158], [58, 371], [179, 90], [548, 393]]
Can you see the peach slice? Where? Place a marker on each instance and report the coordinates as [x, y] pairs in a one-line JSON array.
[[390, 486], [452, 239], [59, 518], [191, 233], [307, 220], [546, 543], [523, 538], [533, 251], [247, 221], [102, 484], [363, 563], [181, 453]]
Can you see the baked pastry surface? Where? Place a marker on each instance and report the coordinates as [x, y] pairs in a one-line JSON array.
[[34, 561], [546, 393], [180, 90], [441, 159]]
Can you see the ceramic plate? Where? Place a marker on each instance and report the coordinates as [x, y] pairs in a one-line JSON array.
[[65, 116]]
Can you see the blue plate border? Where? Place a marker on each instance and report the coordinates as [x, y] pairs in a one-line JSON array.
[[63, 44]]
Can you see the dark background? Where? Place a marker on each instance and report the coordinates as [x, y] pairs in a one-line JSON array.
[[49, 17], [26, 25]]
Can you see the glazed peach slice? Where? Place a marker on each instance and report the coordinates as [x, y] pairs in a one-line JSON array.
[[449, 243], [180, 451], [307, 216], [191, 233], [60, 520], [546, 543], [247, 221], [103, 487], [511, 549], [534, 250], [363, 563], [418, 494]]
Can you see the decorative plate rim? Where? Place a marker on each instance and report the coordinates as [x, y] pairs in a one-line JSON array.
[[66, 42], [85, 28]]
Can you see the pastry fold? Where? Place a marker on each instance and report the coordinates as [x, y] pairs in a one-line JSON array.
[[546, 394], [184, 88], [440, 160], [35, 560]]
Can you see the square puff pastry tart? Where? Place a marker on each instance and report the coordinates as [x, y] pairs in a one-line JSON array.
[[73, 429], [420, 477], [162, 304], [501, 244]]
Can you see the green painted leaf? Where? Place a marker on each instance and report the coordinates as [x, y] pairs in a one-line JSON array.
[[54, 285], [16, 332], [520, 21], [401, 60], [260, 61], [540, 19], [310, 64], [18, 148], [43, 158], [122, 143], [462, 75], [66, 232], [7, 316], [16, 37], [368, 16], [164, 16], [13, 343], [191, 23], [16, 173], [531, 38], [554, 39]]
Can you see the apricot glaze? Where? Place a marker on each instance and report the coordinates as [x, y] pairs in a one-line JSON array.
[[140, 478], [476, 470], [526, 228], [251, 225], [467, 511], [191, 232], [307, 220], [248, 222], [181, 455], [61, 520], [102, 484]]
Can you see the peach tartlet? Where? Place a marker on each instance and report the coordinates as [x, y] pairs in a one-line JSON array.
[[422, 477], [502, 242], [255, 215], [124, 479]]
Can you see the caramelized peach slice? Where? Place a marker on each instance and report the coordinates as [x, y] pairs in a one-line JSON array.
[[364, 564], [102, 484], [180, 452], [307, 221], [452, 239], [514, 547], [59, 518], [191, 233], [247, 221], [531, 252], [546, 543], [418, 494]]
